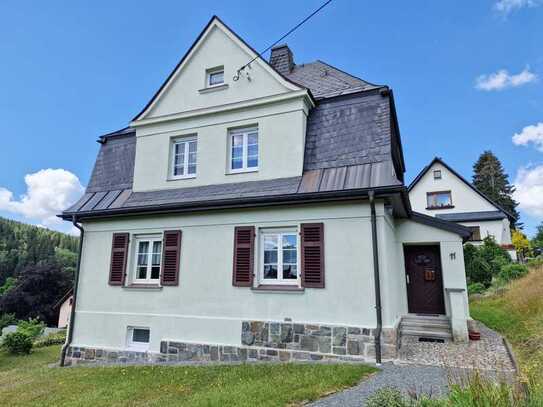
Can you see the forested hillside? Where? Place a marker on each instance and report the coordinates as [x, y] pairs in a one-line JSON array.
[[36, 268]]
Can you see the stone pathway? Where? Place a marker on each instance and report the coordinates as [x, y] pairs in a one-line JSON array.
[[428, 367]]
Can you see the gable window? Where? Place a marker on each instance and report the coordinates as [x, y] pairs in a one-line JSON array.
[[138, 338], [437, 174], [184, 152], [243, 150], [279, 256], [439, 200], [215, 77], [148, 259], [475, 233]]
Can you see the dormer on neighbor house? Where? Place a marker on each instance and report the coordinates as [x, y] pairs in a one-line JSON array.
[[440, 191]]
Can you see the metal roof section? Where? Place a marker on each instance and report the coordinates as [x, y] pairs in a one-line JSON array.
[[472, 216]]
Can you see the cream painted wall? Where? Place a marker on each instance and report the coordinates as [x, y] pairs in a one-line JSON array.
[[499, 229], [205, 307], [281, 135]]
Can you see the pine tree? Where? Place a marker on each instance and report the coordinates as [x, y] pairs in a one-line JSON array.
[[490, 178]]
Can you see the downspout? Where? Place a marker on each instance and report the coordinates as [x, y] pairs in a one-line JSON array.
[[376, 278], [69, 336]]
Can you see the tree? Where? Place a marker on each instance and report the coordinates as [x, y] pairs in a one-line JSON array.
[[38, 288], [521, 243], [490, 178], [537, 241]]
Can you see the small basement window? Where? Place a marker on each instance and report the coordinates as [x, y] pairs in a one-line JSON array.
[[437, 174], [138, 338], [215, 76], [439, 200]]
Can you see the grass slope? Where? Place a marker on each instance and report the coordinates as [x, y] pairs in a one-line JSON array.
[[27, 380], [517, 313]]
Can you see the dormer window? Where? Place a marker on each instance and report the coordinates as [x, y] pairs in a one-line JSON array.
[[215, 76], [184, 152], [243, 150]]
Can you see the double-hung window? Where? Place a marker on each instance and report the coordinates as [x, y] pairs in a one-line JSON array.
[[244, 150], [279, 256], [438, 200], [184, 157], [148, 251]]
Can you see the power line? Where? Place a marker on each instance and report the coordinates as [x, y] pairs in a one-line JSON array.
[[259, 55]]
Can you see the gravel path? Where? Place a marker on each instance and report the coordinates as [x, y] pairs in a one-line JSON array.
[[431, 380]]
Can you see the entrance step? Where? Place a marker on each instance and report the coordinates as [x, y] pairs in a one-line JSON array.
[[424, 327]]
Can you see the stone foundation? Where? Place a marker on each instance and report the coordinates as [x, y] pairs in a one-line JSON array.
[[260, 341]]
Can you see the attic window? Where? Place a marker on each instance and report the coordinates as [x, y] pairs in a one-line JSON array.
[[437, 174], [215, 76]]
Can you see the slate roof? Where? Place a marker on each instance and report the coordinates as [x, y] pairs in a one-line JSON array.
[[325, 81], [348, 148], [472, 216]]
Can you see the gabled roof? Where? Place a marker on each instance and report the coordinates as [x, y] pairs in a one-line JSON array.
[[461, 178], [215, 21]]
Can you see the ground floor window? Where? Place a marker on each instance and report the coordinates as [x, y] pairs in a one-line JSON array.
[[279, 256], [148, 259], [138, 338], [475, 233]]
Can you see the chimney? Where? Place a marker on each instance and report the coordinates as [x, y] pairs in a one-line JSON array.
[[281, 59]]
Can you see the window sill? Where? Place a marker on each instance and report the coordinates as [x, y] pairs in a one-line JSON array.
[[234, 172], [279, 289], [143, 287], [181, 178], [433, 208], [210, 89]]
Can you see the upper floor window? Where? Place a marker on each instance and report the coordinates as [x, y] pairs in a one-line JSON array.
[[215, 76], [437, 174], [244, 150], [439, 200], [184, 157], [148, 259], [279, 254]]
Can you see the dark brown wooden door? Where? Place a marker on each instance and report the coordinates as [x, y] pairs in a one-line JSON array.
[[424, 280]]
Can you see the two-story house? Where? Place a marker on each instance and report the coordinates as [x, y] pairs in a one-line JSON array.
[[258, 214], [438, 190]]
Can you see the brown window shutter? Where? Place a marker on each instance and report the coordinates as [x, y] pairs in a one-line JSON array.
[[244, 245], [170, 257], [119, 255], [313, 255]]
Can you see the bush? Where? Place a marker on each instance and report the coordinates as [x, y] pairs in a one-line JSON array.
[[7, 319], [58, 338], [387, 397], [32, 327], [485, 262], [512, 272], [17, 343], [476, 288]]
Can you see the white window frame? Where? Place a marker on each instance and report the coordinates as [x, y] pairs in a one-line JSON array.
[[151, 239], [210, 73], [186, 140], [279, 280], [437, 174], [245, 134], [433, 193], [137, 346]]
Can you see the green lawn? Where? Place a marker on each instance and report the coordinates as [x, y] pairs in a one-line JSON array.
[[28, 380]]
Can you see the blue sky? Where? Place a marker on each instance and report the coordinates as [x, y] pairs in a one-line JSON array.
[[73, 70]]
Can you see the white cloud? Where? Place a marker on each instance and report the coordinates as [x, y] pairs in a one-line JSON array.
[[529, 190], [506, 7], [530, 134], [502, 80], [48, 193]]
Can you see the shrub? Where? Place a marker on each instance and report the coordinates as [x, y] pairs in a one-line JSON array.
[[17, 343], [512, 272], [7, 319], [32, 327], [476, 288], [57, 338], [387, 397], [484, 262]]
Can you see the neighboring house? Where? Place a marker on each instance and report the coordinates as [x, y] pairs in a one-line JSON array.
[[64, 307], [245, 215], [440, 191]]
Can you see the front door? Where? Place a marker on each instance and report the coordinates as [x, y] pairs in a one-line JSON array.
[[424, 280]]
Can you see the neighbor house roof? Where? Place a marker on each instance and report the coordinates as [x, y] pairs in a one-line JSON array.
[[349, 149], [472, 216], [461, 178]]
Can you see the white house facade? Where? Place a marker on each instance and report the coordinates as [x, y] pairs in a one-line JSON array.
[[440, 191], [258, 214]]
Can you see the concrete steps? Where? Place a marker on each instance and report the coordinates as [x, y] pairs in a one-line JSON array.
[[426, 327]]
